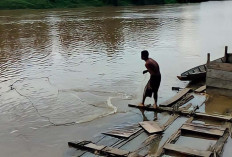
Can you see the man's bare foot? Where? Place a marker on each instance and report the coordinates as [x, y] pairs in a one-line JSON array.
[[141, 104], [155, 106]]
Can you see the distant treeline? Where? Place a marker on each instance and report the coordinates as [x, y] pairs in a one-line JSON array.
[[44, 4]]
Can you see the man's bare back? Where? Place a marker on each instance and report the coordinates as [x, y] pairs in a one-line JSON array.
[[152, 66]]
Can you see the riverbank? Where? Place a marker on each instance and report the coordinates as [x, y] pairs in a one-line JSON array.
[[46, 4]]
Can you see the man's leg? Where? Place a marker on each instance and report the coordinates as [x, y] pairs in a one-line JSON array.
[[145, 93], [156, 83], [155, 99]]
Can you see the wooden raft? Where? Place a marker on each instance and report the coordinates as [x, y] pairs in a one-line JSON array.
[[111, 146], [221, 133], [174, 99]]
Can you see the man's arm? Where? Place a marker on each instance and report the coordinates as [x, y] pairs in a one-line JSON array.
[[145, 71]]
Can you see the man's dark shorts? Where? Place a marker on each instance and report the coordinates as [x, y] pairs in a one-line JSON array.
[[154, 83]]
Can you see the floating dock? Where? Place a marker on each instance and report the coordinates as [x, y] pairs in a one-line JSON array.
[[138, 139]]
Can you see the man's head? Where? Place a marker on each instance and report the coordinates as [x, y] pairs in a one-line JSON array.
[[144, 55]]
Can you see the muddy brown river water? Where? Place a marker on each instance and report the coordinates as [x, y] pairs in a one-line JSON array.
[[70, 73]]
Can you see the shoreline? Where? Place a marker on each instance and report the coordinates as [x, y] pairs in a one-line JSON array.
[[53, 4]]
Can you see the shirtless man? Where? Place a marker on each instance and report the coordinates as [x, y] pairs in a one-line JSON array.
[[155, 77]]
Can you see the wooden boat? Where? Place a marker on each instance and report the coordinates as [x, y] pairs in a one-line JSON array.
[[197, 73]]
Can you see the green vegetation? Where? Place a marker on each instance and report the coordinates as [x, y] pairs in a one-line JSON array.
[[44, 4]]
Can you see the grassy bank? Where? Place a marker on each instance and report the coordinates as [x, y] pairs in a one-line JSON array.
[[44, 4]]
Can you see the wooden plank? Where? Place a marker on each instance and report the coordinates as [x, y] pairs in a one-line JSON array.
[[78, 143], [125, 141], [200, 89], [187, 151], [75, 145], [170, 139], [151, 127], [213, 116], [220, 66], [170, 121], [209, 126], [177, 97], [219, 74], [154, 137], [185, 107], [148, 108], [108, 141], [94, 146], [115, 151], [124, 132], [218, 147], [202, 129], [219, 83], [100, 149], [183, 101], [134, 155]]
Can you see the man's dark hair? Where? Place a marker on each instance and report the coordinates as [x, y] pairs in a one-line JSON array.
[[145, 53]]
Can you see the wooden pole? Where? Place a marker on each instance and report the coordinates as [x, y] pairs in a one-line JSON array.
[[226, 54], [208, 58]]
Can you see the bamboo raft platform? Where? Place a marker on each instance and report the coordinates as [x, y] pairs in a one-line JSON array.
[[118, 141]]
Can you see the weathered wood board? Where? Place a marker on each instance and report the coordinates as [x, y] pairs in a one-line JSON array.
[[199, 128], [200, 89], [187, 151], [185, 107], [213, 116], [219, 83], [151, 127], [149, 108], [170, 121], [101, 149], [218, 147], [174, 99], [115, 151], [124, 132], [219, 74], [169, 140], [220, 66], [94, 146]]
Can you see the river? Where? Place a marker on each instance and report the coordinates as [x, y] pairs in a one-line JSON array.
[[61, 69]]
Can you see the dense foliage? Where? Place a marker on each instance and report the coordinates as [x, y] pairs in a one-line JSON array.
[[43, 4]]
